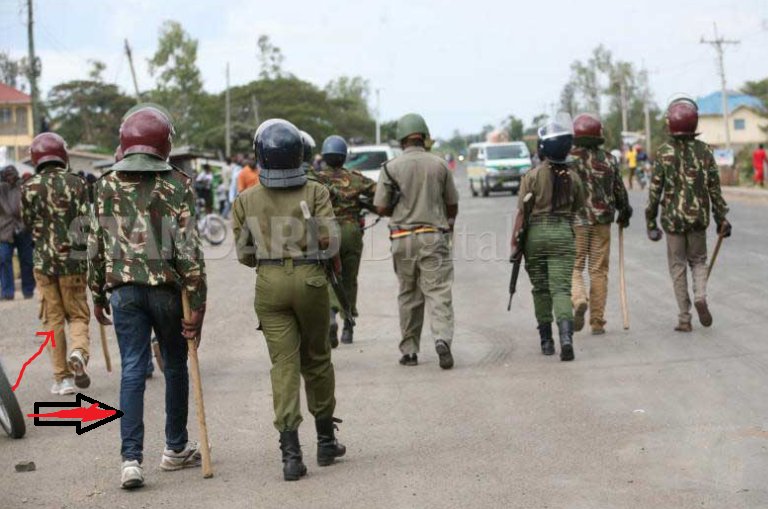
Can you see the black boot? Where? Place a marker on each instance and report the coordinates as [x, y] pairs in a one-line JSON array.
[[347, 333], [293, 464], [566, 339], [547, 343], [333, 331], [328, 448]]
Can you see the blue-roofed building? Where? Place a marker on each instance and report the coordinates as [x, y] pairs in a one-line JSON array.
[[747, 119]]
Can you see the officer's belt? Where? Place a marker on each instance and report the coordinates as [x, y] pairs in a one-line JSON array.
[[295, 261], [550, 219], [398, 234]]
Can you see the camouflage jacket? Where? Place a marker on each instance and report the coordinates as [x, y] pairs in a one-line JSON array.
[[55, 208], [346, 187], [604, 190], [685, 184], [145, 233]]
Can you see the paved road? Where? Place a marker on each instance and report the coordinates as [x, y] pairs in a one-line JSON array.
[[645, 418]]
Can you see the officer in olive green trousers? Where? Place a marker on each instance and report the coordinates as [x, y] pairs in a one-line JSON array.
[[284, 228], [420, 226], [556, 195], [346, 189]]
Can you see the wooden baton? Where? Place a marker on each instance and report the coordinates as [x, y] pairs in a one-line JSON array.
[[622, 281]]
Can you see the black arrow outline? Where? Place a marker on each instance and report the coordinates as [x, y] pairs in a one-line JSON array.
[[77, 404]]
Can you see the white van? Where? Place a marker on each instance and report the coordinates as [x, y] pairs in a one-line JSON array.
[[497, 166], [368, 159]]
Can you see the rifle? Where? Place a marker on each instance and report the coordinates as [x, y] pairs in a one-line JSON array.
[[330, 272], [517, 257]]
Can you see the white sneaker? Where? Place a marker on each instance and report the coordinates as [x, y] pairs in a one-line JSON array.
[[132, 475], [188, 457], [56, 388], [77, 365], [67, 386]]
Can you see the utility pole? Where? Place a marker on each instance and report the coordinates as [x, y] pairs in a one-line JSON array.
[[647, 112], [133, 70], [718, 42], [378, 117], [624, 120], [255, 108], [228, 121], [33, 71]]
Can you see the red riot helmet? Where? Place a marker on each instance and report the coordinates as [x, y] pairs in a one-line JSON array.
[[147, 131], [587, 125], [682, 117], [48, 147]]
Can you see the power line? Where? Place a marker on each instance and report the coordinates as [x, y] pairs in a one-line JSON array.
[[718, 43]]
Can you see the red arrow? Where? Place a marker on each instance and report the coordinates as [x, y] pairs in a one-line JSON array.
[[87, 414], [48, 337], [84, 413]]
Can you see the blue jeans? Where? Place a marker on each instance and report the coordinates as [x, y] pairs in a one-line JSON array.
[[23, 243], [136, 311]]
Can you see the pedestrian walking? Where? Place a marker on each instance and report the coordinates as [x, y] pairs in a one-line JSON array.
[[346, 187], [143, 197], [631, 157], [416, 190], [546, 216], [285, 229], [55, 208], [686, 185], [759, 164], [604, 195], [248, 177], [14, 236]]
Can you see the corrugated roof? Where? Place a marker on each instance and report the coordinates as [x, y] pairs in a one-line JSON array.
[[9, 94], [712, 104]]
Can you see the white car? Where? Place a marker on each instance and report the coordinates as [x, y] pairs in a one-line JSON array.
[[368, 159]]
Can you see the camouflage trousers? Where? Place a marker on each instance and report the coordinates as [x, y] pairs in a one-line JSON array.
[[424, 269], [350, 252], [64, 300], [687, 249], [292, 306], [593, 248], [549, 253]]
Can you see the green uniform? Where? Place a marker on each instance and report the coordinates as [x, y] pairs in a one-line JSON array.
[[144, 233], [346, 187], [421, 247], [685, 184], [604, 194], [291, 292], [549, 243]]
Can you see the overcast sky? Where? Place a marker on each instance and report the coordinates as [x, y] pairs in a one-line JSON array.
[[461, 64]]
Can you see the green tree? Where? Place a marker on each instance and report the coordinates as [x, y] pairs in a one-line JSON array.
[[88, 111], [515, 128], [13, 72], [270, 59], [758, 89], [179, 86], [348, 97]]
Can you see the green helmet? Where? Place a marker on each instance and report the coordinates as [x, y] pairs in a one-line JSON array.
[[411, 123]]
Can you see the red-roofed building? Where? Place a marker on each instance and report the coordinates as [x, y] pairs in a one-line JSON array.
[[16, 128]]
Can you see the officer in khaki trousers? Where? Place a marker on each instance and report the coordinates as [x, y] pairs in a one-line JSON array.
[[53, 201], [285, 228], [417, 191]]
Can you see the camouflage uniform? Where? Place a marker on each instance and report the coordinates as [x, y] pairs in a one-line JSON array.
[[685, 184], [55, 208], [346, 187], [145, 248], [604, 194]]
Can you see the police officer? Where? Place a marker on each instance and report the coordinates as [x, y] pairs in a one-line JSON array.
[[604, 194], [347, 187], [309, 154], [556, 196], [417, 191], [685, 184], [285, 228], [54, 201], [143, 197]]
